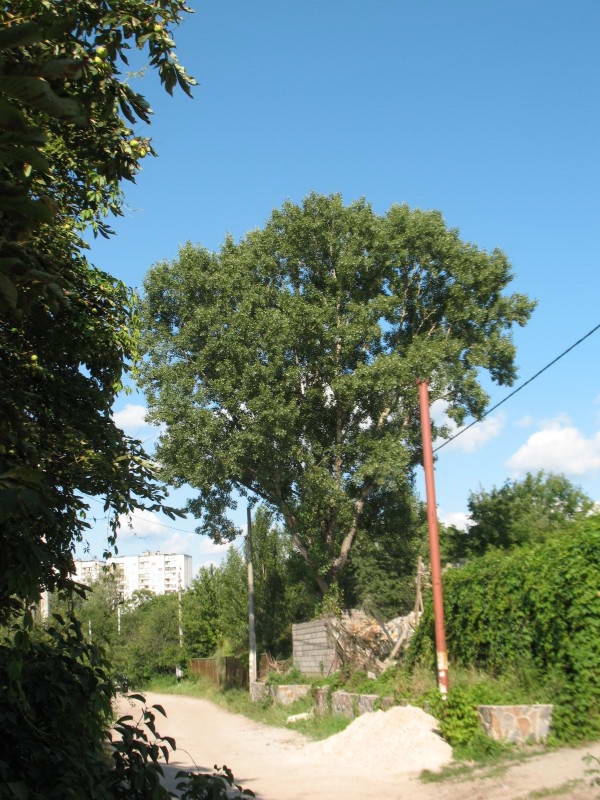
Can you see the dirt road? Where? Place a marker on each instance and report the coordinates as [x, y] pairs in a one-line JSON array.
[[273, 763]]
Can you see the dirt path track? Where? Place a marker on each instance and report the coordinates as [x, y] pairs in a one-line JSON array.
[[272, 762]]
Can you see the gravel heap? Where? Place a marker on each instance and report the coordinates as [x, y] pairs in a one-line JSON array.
[[400, 740]]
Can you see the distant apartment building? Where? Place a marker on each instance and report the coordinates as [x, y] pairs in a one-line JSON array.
[[88, 571], [160, 573]]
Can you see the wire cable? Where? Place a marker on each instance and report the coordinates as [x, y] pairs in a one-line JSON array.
[[518, 389], [139, 516], [450, 438]]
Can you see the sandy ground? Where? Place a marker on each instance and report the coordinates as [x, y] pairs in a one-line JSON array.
[[276, 765]]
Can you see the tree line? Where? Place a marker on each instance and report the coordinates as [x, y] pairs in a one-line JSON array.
[[142, 633]]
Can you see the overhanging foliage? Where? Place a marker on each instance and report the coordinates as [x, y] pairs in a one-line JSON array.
[[67, 329]]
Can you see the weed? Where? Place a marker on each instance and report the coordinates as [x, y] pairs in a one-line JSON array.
[[489, 765], [552, 791]]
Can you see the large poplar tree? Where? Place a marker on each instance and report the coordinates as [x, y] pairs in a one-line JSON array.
[[285, 366]]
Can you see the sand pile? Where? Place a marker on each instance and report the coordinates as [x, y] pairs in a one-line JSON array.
[[399, 740]]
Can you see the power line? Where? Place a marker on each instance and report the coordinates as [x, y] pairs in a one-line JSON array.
[[153, 436], [139, 516], [518, 389], [446, 441]]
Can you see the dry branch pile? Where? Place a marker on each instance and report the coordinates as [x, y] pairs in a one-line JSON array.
[[364, 641]]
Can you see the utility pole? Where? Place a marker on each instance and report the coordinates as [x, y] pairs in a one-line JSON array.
[[45, 605], [178, 670], [179, 614], [252, 672], [434, 542]]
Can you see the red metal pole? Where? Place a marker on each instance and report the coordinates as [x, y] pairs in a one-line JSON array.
[[434, 542]]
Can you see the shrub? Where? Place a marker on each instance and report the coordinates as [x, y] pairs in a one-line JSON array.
[[534, 610], [54, 710], [55, 714]]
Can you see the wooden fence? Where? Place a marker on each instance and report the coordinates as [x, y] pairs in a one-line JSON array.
[[226, 673]]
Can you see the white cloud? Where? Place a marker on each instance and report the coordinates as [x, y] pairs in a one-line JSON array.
[[560, 447], [479, 434], [208, 547], [131, 418], [525, 422], [459, 519], [142, 524], [178, 543], [472, 439]]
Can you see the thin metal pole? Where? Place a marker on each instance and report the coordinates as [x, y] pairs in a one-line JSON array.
[[119, 619], [45, 605], [178, 669], [252, 670], [434, 542], [179, 614]]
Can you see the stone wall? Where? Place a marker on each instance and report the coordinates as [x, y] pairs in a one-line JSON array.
[[518, 724], [314, 651], [349, 704], [284, 694], [259, 691]]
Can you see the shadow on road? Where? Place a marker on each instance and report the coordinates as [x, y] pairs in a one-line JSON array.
[[171, 770]]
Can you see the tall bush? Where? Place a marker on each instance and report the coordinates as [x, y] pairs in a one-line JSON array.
[[536, 607]]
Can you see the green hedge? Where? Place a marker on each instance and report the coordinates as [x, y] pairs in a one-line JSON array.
[[534, 608]]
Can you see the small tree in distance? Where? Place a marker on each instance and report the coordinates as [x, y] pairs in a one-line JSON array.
[[285, 365], [517, 513]]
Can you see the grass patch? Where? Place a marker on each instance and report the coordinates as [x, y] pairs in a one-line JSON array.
[[238, 702], [563, 788], [491, 765], [447, 773], [295, 676], [409, 685]]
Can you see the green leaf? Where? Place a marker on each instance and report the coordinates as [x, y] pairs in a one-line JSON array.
[[170, 740], [138, 697]]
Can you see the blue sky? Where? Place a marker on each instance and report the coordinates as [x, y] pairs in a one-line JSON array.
[[489, 112]]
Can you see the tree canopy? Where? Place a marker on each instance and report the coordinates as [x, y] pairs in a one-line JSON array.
[[67, 328], [517, 513], [285, 365], [67, 335]]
